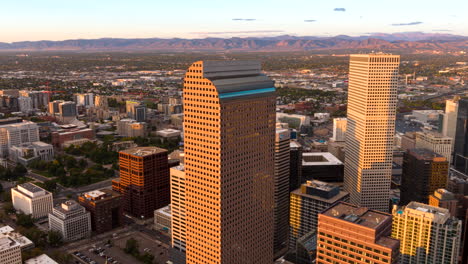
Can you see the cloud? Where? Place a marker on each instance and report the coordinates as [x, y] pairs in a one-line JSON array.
[[407, 24], [238, 32], [310, 20], [244, 19], [340, 9], [442, 30]]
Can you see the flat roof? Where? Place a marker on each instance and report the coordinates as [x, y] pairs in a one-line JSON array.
[[7, 243], [332, 200], [143, 151], [361, 216], [31, 187], [425, 154], [308, 159], [42, 259]]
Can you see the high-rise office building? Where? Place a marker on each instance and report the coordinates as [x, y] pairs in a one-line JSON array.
[[86, 99], [450, 117], [423, 172], [339, 129], [71, 220], [306, 203], [229, 135], [178, 223], [144, 180], [436, 142], [16, 134], [281, 232], [427, 234], [461, 138], [372, 99], [351, 234], [105, 207], [136, 110], [101, 101], [295, 165]]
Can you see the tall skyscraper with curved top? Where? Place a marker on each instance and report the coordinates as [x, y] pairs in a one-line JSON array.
[[372, 99], [229, 137]]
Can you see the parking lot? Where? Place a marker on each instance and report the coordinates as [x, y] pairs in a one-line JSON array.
[[98, 252]]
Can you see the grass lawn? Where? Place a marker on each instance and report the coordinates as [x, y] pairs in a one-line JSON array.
[[43, 173]]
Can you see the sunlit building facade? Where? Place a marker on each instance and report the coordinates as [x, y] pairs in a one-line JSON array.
[[372, 100], [229, 135]]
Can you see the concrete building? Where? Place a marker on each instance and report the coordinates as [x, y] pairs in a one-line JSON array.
[[144, 180], [281, 207], [24, 242], [105, 207], [444, 199], [25, 104], [131, 128], [450, 118], [295, 165], [339, 129], [178, 225], [408, 141], [67, 110], [337, 149], [101, 101], [32, 199], [351, 234], [16, 134], [423, 173], [86, 99], [427, 234], [135, 110], [26, 153], [168, 133], [10, 252], [461, 138], [322, 166], [71, 220], [372, 100], [54, 107], [229, 135], [163, 218], [306, 203], [39, 99], [436, 142], [41, 259]]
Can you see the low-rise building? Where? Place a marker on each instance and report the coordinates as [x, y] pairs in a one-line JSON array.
[[58, 138], [131, 128], [24, 242], [71, 220], [41, 259], [168, 133], [26, 153], [32, 199], [322, 166], [163, 218]]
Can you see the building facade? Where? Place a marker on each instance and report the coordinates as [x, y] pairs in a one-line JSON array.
[[339, 129], [351, 234], [16, 134], [131, 128], [436, 142], [10, 251], [450, 117], [427, 234], [295, 165], [178, 225], [105, 207], [59, 138], [444, 199], [71, 220], [32, 200], [423, 173], [322, 166], [307, 203], [281, 230], [229, 135], [144, 180], [372, 100], [461, 138]]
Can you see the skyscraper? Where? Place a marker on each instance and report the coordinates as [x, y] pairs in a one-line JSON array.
[[281, 231], [178, 222], [461, 138], [352, 234], [339, 129], [144, 180], [372, 99], [427, 234], [423, 172], [295, 165], [450, 117], [229, 135]]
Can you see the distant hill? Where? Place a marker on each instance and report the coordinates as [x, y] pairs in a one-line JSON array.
[[410, 41]]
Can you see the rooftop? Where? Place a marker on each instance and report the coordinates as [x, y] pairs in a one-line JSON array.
[[426, 154], [437, 214], [319, 158], [100, 195], [7, 243], [143, 151], [31, 187], [358, 215], [42, 259]]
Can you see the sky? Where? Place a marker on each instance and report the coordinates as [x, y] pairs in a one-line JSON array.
[[31, 20]]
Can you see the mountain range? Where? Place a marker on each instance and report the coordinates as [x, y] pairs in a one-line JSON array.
[[410, 41]]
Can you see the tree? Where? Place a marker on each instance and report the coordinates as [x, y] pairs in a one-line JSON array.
[[24, 220], [20, 170], [8, 208], [70, 162], [50, 185], [131, 247], [147, 258], [82, 163], [54, 238]]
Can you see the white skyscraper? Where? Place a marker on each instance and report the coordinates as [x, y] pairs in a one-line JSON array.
[[372, 99]]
